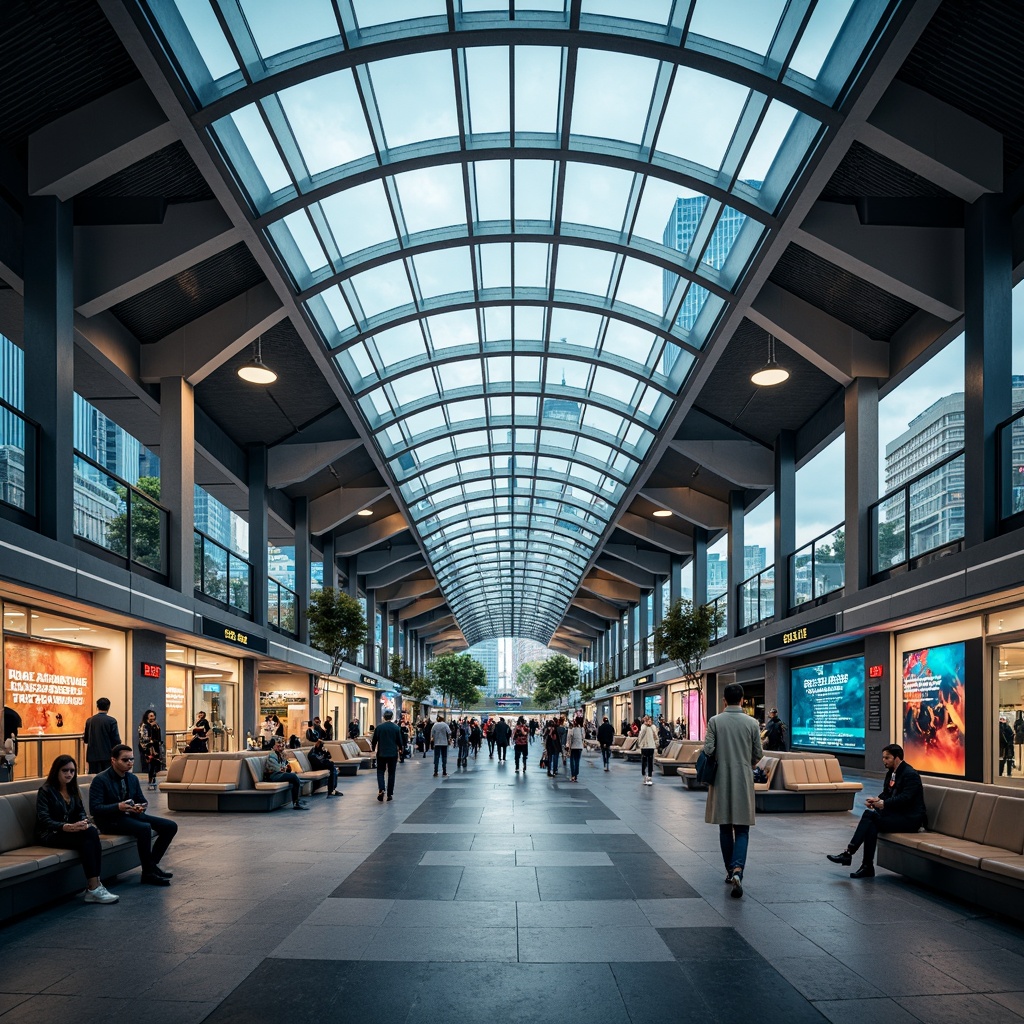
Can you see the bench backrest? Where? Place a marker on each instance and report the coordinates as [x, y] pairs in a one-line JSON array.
[[688, 751], [351, 751], [256, 766], [363, 744], [951, 816], [17, 821], [299, 756], [629, 742], [672, 749], [804, 771]]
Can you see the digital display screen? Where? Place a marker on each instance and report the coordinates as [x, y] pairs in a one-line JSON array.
[[933, 708], [828, 705]]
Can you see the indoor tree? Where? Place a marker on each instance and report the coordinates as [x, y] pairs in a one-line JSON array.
[[684, 635], [337, 626], [457, 678], [556, 677]]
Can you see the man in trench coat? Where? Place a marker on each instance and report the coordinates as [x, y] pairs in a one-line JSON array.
[[734, 739]]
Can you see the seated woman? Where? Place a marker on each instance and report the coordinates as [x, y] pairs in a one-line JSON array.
[[61, 822]]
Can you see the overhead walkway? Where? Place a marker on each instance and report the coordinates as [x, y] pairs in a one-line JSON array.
[[491, 895]]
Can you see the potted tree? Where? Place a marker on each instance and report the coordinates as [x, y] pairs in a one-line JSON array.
[[684, 635]]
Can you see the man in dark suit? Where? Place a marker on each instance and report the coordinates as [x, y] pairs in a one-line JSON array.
[[387, 742], [898, 808], [118, 807], [101, 736]]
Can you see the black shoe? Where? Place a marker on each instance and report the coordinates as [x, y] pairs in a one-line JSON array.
[[435, 775], [299, 807], [864, 871], [159, 872], [736, 881], [845, 858], [148, 878], [444, 775], [380, 796], [391, 798]]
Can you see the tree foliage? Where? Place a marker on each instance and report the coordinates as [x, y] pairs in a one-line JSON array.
[[526, 677], [414, 686], [457, 678], [337, 625], [556, 677], [145, 525], [684, 635]]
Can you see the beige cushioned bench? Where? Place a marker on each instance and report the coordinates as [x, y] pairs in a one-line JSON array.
[[33, 875], [208, 782], [973, 847], [678, 754]]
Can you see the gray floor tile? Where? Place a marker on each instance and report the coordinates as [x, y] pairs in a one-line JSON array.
[[592, 945], [498, 884], [903, 974], [445, 944], [325, 942], [955, 1009], [471, 858], [582, 913], [865, 1011], [824, 978]]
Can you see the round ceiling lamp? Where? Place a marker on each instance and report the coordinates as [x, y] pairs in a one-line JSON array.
[[771, 373], [365, 512], [662, 513], [256, 371]]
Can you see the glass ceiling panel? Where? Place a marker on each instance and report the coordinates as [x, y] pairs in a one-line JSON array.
[[553, 406]]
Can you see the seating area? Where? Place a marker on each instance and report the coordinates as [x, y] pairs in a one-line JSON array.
[[33, 875], [677, 754], [233, 780], [797, 781], [973, 847]]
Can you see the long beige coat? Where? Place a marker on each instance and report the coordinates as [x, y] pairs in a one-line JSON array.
[[735, 739]]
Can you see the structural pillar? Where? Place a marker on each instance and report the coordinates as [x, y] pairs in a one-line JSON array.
[[50, 359], [734, 553], [258, 530], [861, 479], [178, 479], [988, 266], [302, 568], [700, 566], [785, 518]]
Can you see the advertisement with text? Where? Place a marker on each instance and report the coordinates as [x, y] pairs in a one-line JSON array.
[[828, 705], [933, 709], [49, 686]]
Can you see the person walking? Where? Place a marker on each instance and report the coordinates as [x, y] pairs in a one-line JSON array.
[[440, 737], [502, 735], [463, 743], [648, 744], [150, 746], [774, 731], [387, 742], [734, 740], [553, 748], [574, 742], [476, 738], [101, 736], [489, 736], [521, 742], [605, 737]]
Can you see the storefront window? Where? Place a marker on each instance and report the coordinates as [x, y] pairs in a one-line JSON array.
[[201, 681], [1008, 745]]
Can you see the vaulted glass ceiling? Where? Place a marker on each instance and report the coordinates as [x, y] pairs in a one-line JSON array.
[[480, 206]]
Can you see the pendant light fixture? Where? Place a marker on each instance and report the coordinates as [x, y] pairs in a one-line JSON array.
[[256, 371], [771, 373]]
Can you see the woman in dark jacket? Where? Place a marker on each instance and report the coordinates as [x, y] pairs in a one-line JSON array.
[[61, 823], [200, 732], [552, 747], [150, 745]]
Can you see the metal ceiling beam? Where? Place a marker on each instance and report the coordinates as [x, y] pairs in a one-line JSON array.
[[611, 590], [661, 536], [596, 606], [626, 571], [373, 533], [588, 620], [426, 619], [937, 141], [657, 562], [833, 347], [373, 561], [922, 266], [407, 591], [394, 573], [691, 504], [338, 506], [293, 463], [439, 625], [116, 263], [80, 149], [208, 342], [417, 608]]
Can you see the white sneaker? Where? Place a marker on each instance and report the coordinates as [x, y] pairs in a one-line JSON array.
[[100, 895]]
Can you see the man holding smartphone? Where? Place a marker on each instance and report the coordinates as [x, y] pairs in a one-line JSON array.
[[118, 807]]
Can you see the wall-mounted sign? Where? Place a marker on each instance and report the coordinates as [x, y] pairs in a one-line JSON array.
[[875, 708], [368, 681], [49, 686], [613, 689], [642, 681], [876, 671], [151, 671], [811, 631], [237, 637], [508, 703]]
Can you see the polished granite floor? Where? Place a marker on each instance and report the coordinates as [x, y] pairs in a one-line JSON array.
[[492, 894]]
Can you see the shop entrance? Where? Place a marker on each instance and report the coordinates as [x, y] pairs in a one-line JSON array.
[[1008, 726]]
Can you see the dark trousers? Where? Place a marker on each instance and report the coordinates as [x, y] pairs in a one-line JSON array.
[[140, 827], [871, 823], [440, 754], [606, 755], [647, 761], [332, 782], [502, 751], [574, 762], [490, 747], [86, 843], [734, 839], [389, 764], [153, 766], [292, 779], [521, 752]]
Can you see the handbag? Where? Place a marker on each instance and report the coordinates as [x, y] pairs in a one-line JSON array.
[[707, 768], [543, 760]]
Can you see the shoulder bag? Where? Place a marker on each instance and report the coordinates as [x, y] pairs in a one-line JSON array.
[[707, 768]]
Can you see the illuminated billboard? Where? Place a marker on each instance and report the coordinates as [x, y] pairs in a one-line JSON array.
[[49, 686], [933, 708], [828, 706]]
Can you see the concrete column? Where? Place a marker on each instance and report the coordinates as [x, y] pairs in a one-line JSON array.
[[700, 566], [149, 693], [645, 627], [178, 478], [330, 560], [302, 568], [734, 553], [50, 359], [785, 517], [988, 358], [251, 716], [632, 630], [861, 443], [369, 658], [258, 530], [675, 580]]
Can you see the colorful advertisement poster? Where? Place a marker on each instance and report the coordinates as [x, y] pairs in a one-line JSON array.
[[933, 709], [387, 702], [828, 706], [49, 686], [694, 715]]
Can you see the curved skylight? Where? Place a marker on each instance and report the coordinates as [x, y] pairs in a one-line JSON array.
[[516, 232]]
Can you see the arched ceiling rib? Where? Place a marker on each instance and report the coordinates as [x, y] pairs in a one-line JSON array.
[[479, 216]]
